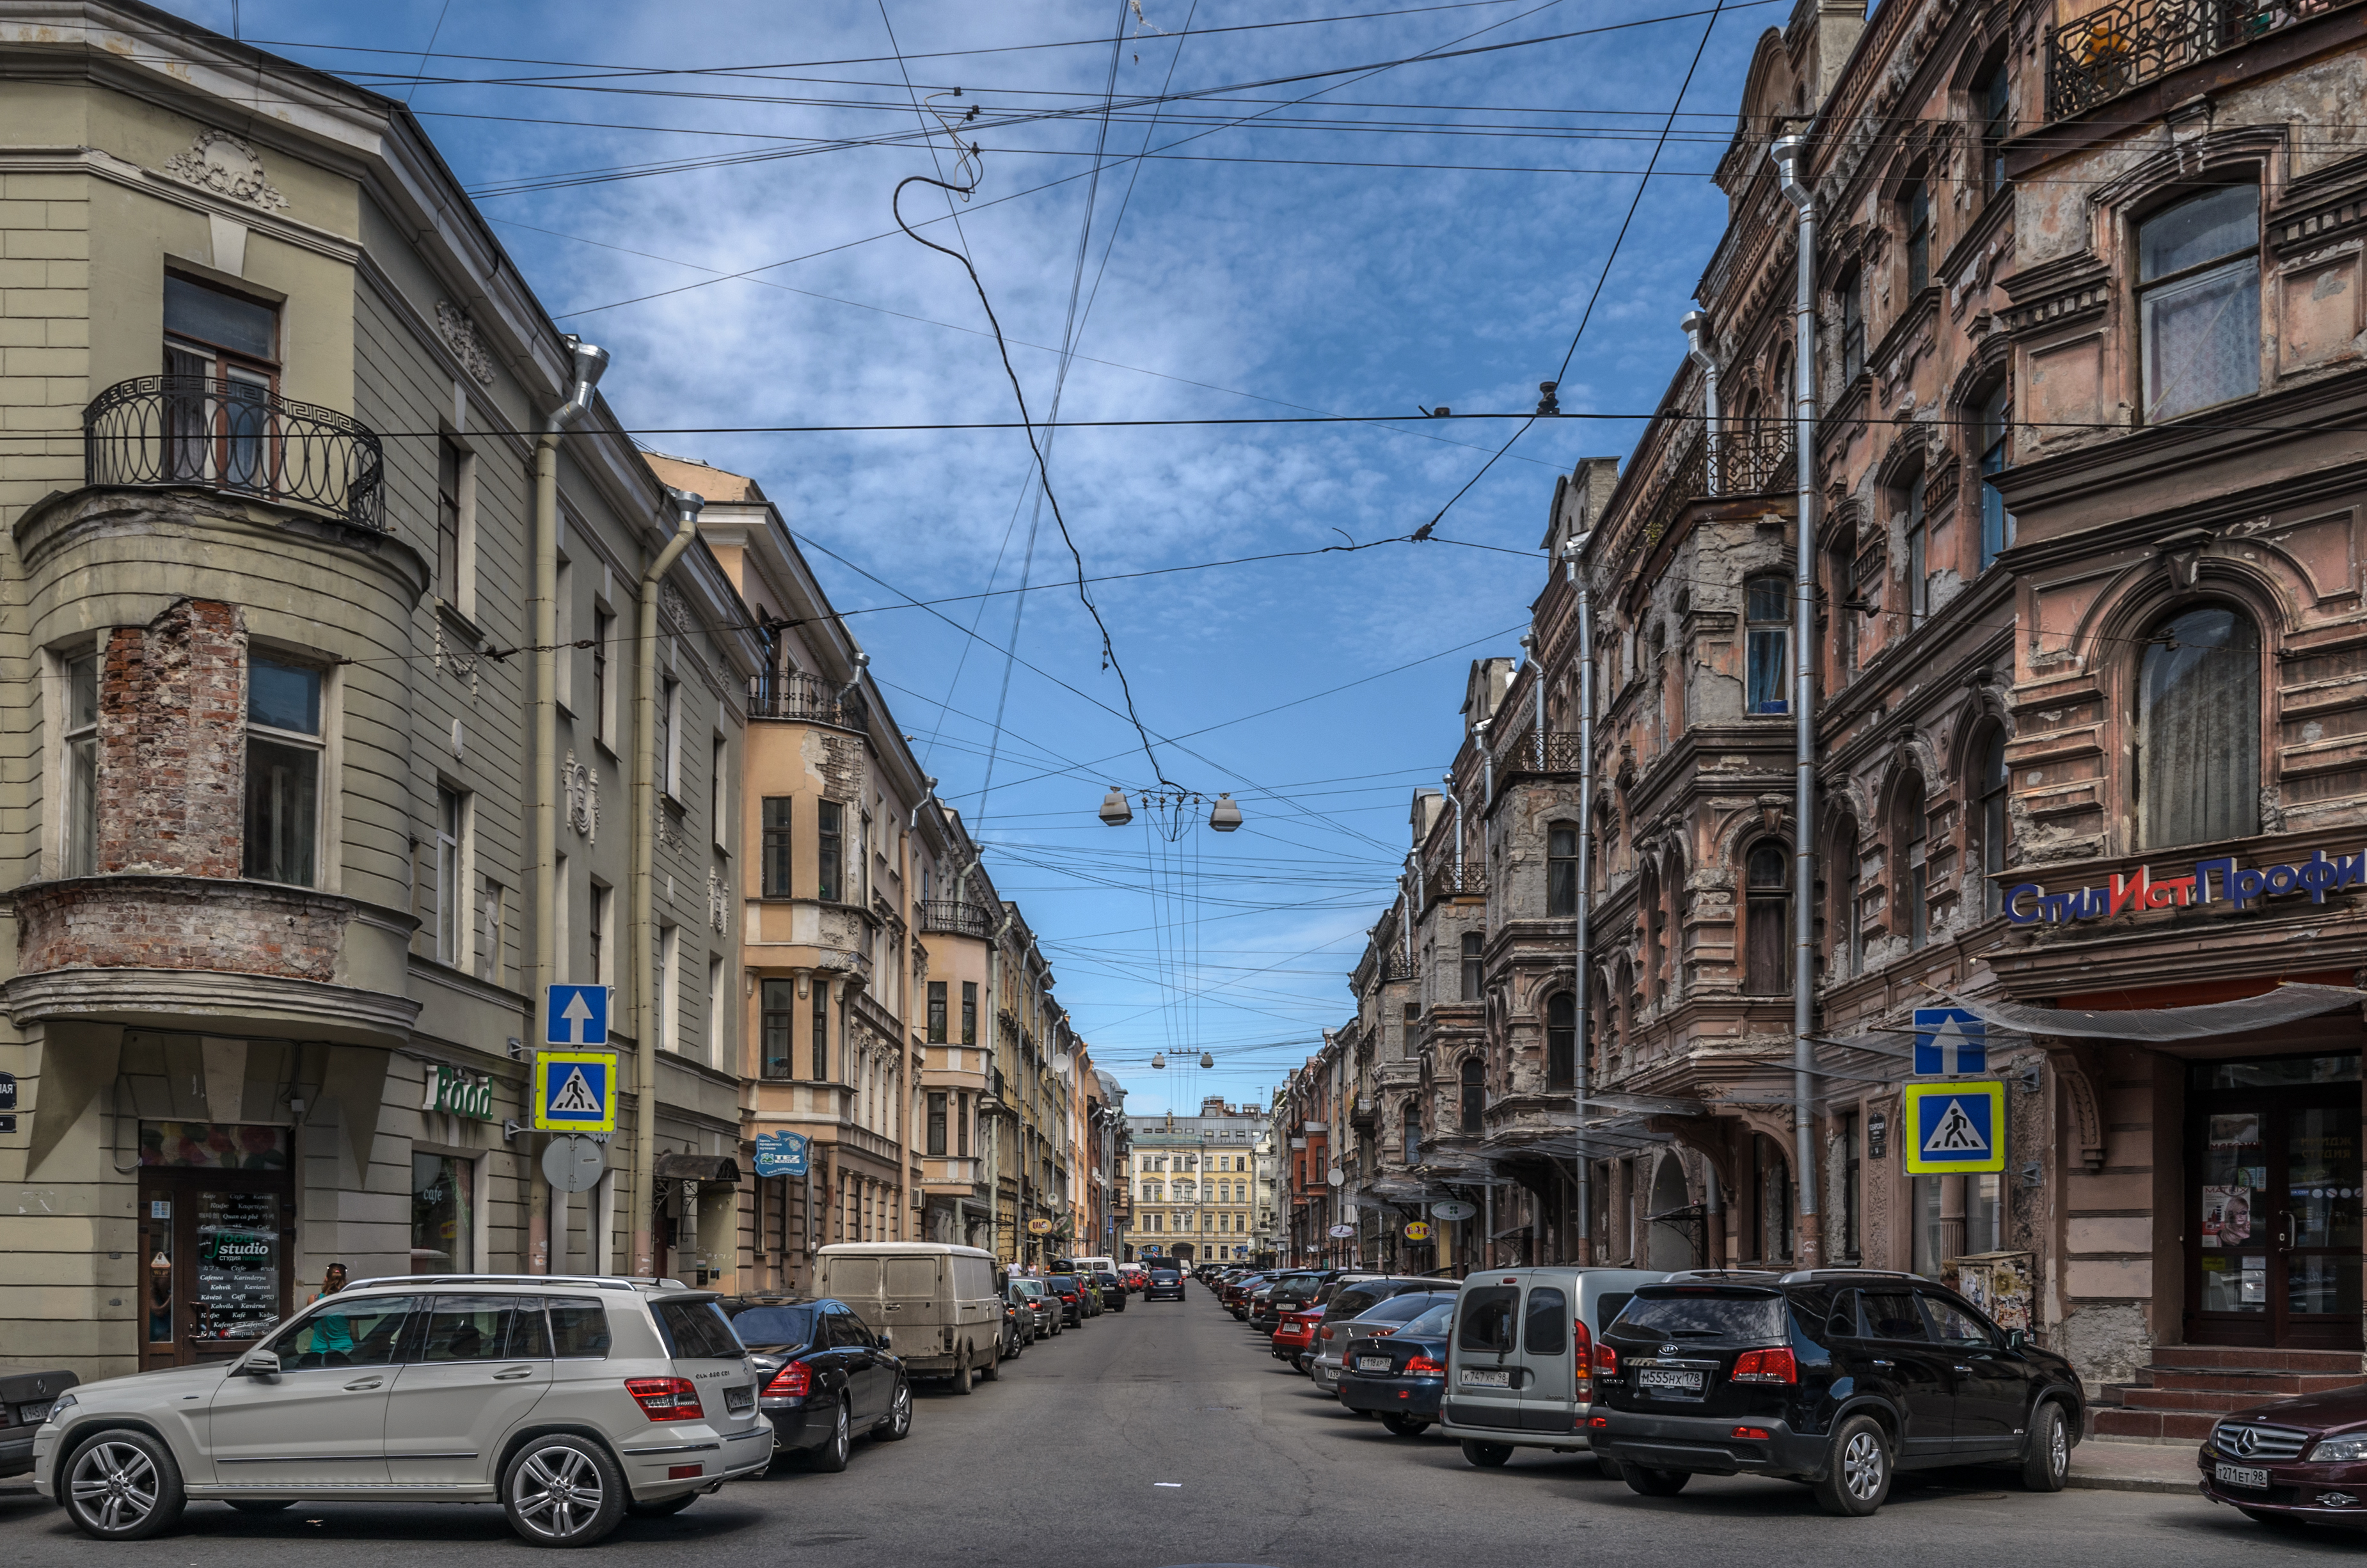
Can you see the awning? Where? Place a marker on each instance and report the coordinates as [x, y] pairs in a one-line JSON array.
[[697, 1168], [2286, 1003]]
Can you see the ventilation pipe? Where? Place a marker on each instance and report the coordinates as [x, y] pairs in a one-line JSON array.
[[1696, 325], [1790, 153], [1581, 1013]]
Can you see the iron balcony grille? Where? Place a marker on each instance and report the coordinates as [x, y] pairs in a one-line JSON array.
[[1562, 754], [2124, 45], [949, 919], [234, 436], [1750, 461], [793, 693]]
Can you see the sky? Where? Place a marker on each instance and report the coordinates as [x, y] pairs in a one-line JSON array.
[[705, 188]]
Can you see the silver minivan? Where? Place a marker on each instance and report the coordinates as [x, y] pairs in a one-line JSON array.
[[1520, 1361]]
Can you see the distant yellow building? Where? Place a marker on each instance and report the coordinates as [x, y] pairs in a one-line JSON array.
[[1196, 1185]]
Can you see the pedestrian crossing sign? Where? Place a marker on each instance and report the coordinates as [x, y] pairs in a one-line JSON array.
[[1958, 1128], [575, 1091]]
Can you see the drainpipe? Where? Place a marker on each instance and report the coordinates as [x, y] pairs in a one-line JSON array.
[[1537, 680], [1412, 898], [587, 364], [992, 1027], [1790, 153], [1696, 324], [1487, 791], [1455, 795], [645, 808], [1583, 1167]]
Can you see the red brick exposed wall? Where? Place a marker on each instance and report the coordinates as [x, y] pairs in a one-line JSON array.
[[172, 744], [179, 922]]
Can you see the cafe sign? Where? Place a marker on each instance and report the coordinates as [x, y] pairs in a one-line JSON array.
[[459, 1092], [2209, 882]]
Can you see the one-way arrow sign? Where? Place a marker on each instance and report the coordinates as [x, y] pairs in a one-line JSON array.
[[576, 1015], [1950, 1040]]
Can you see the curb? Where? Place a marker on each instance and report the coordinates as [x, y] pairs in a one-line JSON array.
[[2076, 1482]]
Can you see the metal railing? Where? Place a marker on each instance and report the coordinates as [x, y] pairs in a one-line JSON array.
[[954, 919], [1750, 461], [2122, 46], [793, 693], [1445, 882], [236, 436], [1520, 753]]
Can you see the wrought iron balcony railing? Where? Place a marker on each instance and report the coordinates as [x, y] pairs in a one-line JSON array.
[[950, 918], [793, 693], [237, 437], [2122, 46], [1445, 882], [1519, 754], [1741, 460]]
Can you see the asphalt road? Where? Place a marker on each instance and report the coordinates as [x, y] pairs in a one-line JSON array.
[[1165, 1435]]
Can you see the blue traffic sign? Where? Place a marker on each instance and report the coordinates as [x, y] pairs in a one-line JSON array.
[[576, 1015], [575, 1091], [780, 1153], [1950, 1040], [1958, 1128]]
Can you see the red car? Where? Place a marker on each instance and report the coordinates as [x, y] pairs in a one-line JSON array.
[[1294, 1336], [1134, 1276], [2301, 1461]]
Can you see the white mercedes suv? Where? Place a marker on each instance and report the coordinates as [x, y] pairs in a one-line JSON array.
[[567, 1399]]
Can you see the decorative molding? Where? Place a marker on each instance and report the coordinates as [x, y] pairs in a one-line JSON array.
[[669, 836], [459, 335], [2076, 303], [460, 666], [227, 165], [583, 791], [716, 906]]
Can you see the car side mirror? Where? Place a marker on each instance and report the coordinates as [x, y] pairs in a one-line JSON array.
[[2015, 1339], [260, 1364], [887, 1339]]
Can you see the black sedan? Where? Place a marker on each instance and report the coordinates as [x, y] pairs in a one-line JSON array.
[[1069, 1291], [823, 1377], [1399, 1377], [1165, 1283], [1113, 1291]]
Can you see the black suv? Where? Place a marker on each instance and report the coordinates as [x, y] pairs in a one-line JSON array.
[[1834, 1377]]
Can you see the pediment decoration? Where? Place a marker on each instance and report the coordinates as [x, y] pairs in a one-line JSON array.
[[459, 335], [227, 165]]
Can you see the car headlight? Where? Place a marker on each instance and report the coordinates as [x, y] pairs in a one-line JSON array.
[[58, 1407], [2340, 1450]]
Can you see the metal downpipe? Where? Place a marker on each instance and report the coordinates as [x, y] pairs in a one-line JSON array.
[[1583, 959]]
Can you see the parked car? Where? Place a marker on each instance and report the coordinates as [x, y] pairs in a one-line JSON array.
[[1294, 1336], [824, 1376], [2292, 1461], [1113, 1291], [1165, 1283], [1375, 1309], [1088, 1293], [23, 1404], [1400, 1376], [1018, 1329], [1134, 1276], [1522, 1365], [584, 1397], [940, 1300], [1235, 1294], [1285, 1294], [1069, 1291], [1838, 1377], [1040, 1305]]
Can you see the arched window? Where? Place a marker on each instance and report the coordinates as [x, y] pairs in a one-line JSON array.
[[2198, 740], [1561, 869], [1910, 886], [1914, 526], [1995, 823], [1849, 891], [1842, 583], [1993, 101], [1561, 1040], [1648, 914], [1471, 966], [1475, 1098], [1766, 613], [1767, 919], [1667, 915]]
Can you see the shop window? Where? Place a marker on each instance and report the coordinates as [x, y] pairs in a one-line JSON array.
[[1474, 1107], [1768, 639], [81, 765], [1561, 1041], [2198, 729], [1471, 974], [1995, 423], [1561, 869], [443, 1214], [1767, 919], [2198, 302], [283, 772]]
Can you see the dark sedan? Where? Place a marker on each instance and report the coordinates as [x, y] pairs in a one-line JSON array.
[[2301, 1461], [1069, 1291], [1165, 1284], [1113, 1291], [1399, 1377], [823, 1377]]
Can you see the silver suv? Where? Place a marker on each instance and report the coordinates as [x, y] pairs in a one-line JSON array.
[[570, 1400]]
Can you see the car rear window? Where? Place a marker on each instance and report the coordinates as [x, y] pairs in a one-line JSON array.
[[1486, 1322], [1063, 1283], [579, 1326], [783, 1326], [1546, 1330], [1708, 1315], [1432, 1323], [1401, 1309], [698, 1330], [1608, 1307]]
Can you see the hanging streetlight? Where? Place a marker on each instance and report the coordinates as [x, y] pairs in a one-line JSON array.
[[1158, 1059], [1226, 817], [1207, 1060], [1116, 812]]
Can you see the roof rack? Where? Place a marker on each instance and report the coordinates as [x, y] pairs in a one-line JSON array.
[[1811, 1275], [597, 1281]]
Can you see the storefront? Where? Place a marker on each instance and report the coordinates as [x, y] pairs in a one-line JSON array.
[[217, 1222]]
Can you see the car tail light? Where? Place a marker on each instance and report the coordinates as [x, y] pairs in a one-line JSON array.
[[1751, 1434], [792, 1382], [1776, 1365], [666, 1399], [1422, 1366], [1606, 1360], [1378, 1334], [1327, 1331]]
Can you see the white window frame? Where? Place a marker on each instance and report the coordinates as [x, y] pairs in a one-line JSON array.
[[319, 742], [74, 850], [669, 736], [448, 833]]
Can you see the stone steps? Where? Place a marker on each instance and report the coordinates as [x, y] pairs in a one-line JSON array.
[[2187, 1388]]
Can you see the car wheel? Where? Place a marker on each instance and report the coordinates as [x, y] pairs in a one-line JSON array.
[[1857, 1474], [1654, 1483], [898, 1424], [663, 1508], [262, 1504], [961, 1371], [2048, 1463], [831, 1458], [1406, 1426], [563, 1491], [123, 1486], [1487, 1456], [1612, 1468]]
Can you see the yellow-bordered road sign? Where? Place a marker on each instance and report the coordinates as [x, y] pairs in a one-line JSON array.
[[1955, 1129], [575, 1091]]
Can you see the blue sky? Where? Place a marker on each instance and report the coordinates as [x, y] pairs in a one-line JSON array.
[[1281, 257]]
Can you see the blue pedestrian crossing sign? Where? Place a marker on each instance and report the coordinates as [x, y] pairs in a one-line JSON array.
[[1955, 1129], [1950, 1040], [576, 1015], [575, 1091]]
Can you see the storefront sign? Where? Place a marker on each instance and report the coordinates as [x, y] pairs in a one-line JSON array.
[[459, 1093], [780, 1153], [1039, 1227], [2209, 882], [1419, 1231]]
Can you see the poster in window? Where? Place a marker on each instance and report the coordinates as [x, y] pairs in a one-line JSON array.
[[236, 1284], [2234, 1131], [2227, 1216]]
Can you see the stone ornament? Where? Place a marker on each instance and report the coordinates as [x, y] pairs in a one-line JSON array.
[[716, 907], [582, 793], [225, 165], [459, 335]]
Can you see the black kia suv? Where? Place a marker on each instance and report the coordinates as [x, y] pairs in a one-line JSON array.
[[1835, 1377]]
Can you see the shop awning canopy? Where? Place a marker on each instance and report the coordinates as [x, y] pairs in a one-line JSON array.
[[2284, 1005], [697, 1168]]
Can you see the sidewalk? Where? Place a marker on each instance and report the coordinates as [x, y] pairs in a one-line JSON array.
[[2100, 1464]]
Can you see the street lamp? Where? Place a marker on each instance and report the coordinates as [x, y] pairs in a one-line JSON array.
[[1168, 806]]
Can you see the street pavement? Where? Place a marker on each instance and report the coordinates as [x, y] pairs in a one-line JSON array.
[[1165, 1435]]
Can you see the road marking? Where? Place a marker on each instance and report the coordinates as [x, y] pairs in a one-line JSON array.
[[1177, 1484]]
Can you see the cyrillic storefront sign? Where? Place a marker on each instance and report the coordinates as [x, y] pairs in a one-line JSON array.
[[2220, 881]]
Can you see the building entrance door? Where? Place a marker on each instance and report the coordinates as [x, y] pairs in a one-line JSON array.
[[2274, 1203], [216, 1218]]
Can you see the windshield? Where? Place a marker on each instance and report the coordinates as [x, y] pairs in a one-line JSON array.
[[773, 1327], [1708, 1317]]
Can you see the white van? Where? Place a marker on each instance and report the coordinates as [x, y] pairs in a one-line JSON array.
[[1520, 1361], [1092, 1265], [938, 1304]]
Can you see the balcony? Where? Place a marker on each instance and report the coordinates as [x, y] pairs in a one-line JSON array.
[[1561, 751], [1448, 881], [2120, 47], [793, 693], [237, 437], [1747, 462], [949, 919]]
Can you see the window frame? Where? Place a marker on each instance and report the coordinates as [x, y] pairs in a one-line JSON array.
[[604, 697], [1471, 1097], [1993, 784], [1765, 637], [449, 835], [829, 850], [78, 760], [776, 1015], [1993, 91], [1470, 966], [2141, 720], [315, 744], [776, 816], [1914, 530], [1561, 1040], [1915, 226], [1767, 900], [2143, 291], [1851, 293], [218, 427], [1994, 422], [1561, 870]]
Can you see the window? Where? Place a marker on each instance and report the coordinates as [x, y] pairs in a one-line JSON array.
[[936, 1012], [775, 854], [1768, 641], [603, 627], [961, 1127], [283, 771], [666, 984], [1413, 1133], [221, 358], [1995, 421], [2198, 302], [1471, 966], [669, 738], [1774, 1215], [604, 903], [1994, 820], [1852, 885], [1915, 210], [1995, 97], [1545, 1328], [1767, 920], [450, 816], [1852, 1183], [81, 765], [1843, 558], [563, 617], [1474, 1097], [1852, 293], [447, 520], [715, 1014], [443, 1219], [829, 851], [1561, 1040], [779, 1027], [1561, 869], [1913, 886], [937, 1124], [2198, 742], [715, 815], [1914, 526], [820, 1032], [969, 1012]]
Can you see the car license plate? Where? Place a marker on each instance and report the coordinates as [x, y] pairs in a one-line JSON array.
[[739, 1399], [33, 1415], [1373, 1363], [1478, 1380], [2241, 1475], [1668, 1380]]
